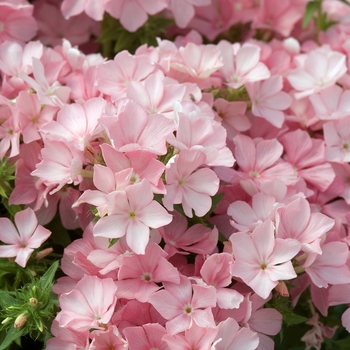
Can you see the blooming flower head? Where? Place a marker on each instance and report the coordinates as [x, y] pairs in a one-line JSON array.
[[21, 241]]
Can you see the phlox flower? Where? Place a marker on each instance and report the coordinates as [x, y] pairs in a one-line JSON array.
[[231, 336], [199, 61], [307, 156], [260, 161], [156, 94], [268, 99], [181, 239], [133, 13], [15, 17], [216, 272], [241, 64], [132, 212], [110, 338], [21, 241], [279, 16], [198, 338], [133, 130], [139, 274], [337, 139], [75, 123], [184, 10], [261, 260], [145, 337], [188, 186], [15, 58], [89, 305], [94, 9], [317, 70], [114, 76], [296, 221], [60, 165], [183, 304], [331, 103]]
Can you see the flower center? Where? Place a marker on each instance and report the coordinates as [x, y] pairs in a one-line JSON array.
[[146, 277], [132, 215], [188, 309]]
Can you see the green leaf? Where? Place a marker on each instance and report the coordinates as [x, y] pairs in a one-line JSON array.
[[343, 344], [47, 279], [311, 8], [345, 2], [292, 318], [11, 336]]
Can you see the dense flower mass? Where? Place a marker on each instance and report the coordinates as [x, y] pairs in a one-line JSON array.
[[196, 194]]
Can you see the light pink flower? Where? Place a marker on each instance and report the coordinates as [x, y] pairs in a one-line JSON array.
[[94, 9], [188, 185], [196, 337], [21, 241], [183, 304], [132, 212], [134, 13], [337, 139], [241, 64], [261, 260], [89, 305], [13, 19], [317, 70], [268, 99]]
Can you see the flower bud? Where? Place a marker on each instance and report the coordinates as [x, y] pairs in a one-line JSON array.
[[282, 289], [21, 320], [43, 253], [33, 302]]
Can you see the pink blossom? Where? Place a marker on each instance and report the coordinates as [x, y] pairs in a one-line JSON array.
[[307, 156], [231, 336], [133, 130], [261, 260], [196, 337], [190, 187], [241, 64], [317, 70], [268, 101], [15, 17], [337, 139], [133, 13], [107, 339], [94, 9], [145, 337], [181, 239], [184, 304], [132, 212], [21, 241], [89, 305], [139, 274]]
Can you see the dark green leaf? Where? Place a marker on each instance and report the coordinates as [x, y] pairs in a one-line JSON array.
[[7, 300], [292, 318], [343, 344], [310, 9], [47, 279], [11, 336]]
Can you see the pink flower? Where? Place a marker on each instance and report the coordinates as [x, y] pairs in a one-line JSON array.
[[337, 139], [89, 305], [132, 212], [241, 64], [268, 101], [13, 19], [133, 13], [261, 259], [317, 70], [181, 308], [190, 187], [94, 9], [21, 242]]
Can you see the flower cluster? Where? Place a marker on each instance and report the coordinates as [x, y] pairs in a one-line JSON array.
[[206, 180]]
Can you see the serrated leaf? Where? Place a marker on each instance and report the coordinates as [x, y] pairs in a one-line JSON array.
[[310, 9], [47, 279], [11, 336]]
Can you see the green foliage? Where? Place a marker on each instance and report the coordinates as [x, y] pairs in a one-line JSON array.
[[30, 309], [310, 11], [115, 38]]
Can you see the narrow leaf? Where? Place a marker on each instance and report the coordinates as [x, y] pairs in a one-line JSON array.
[[311, 8]]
